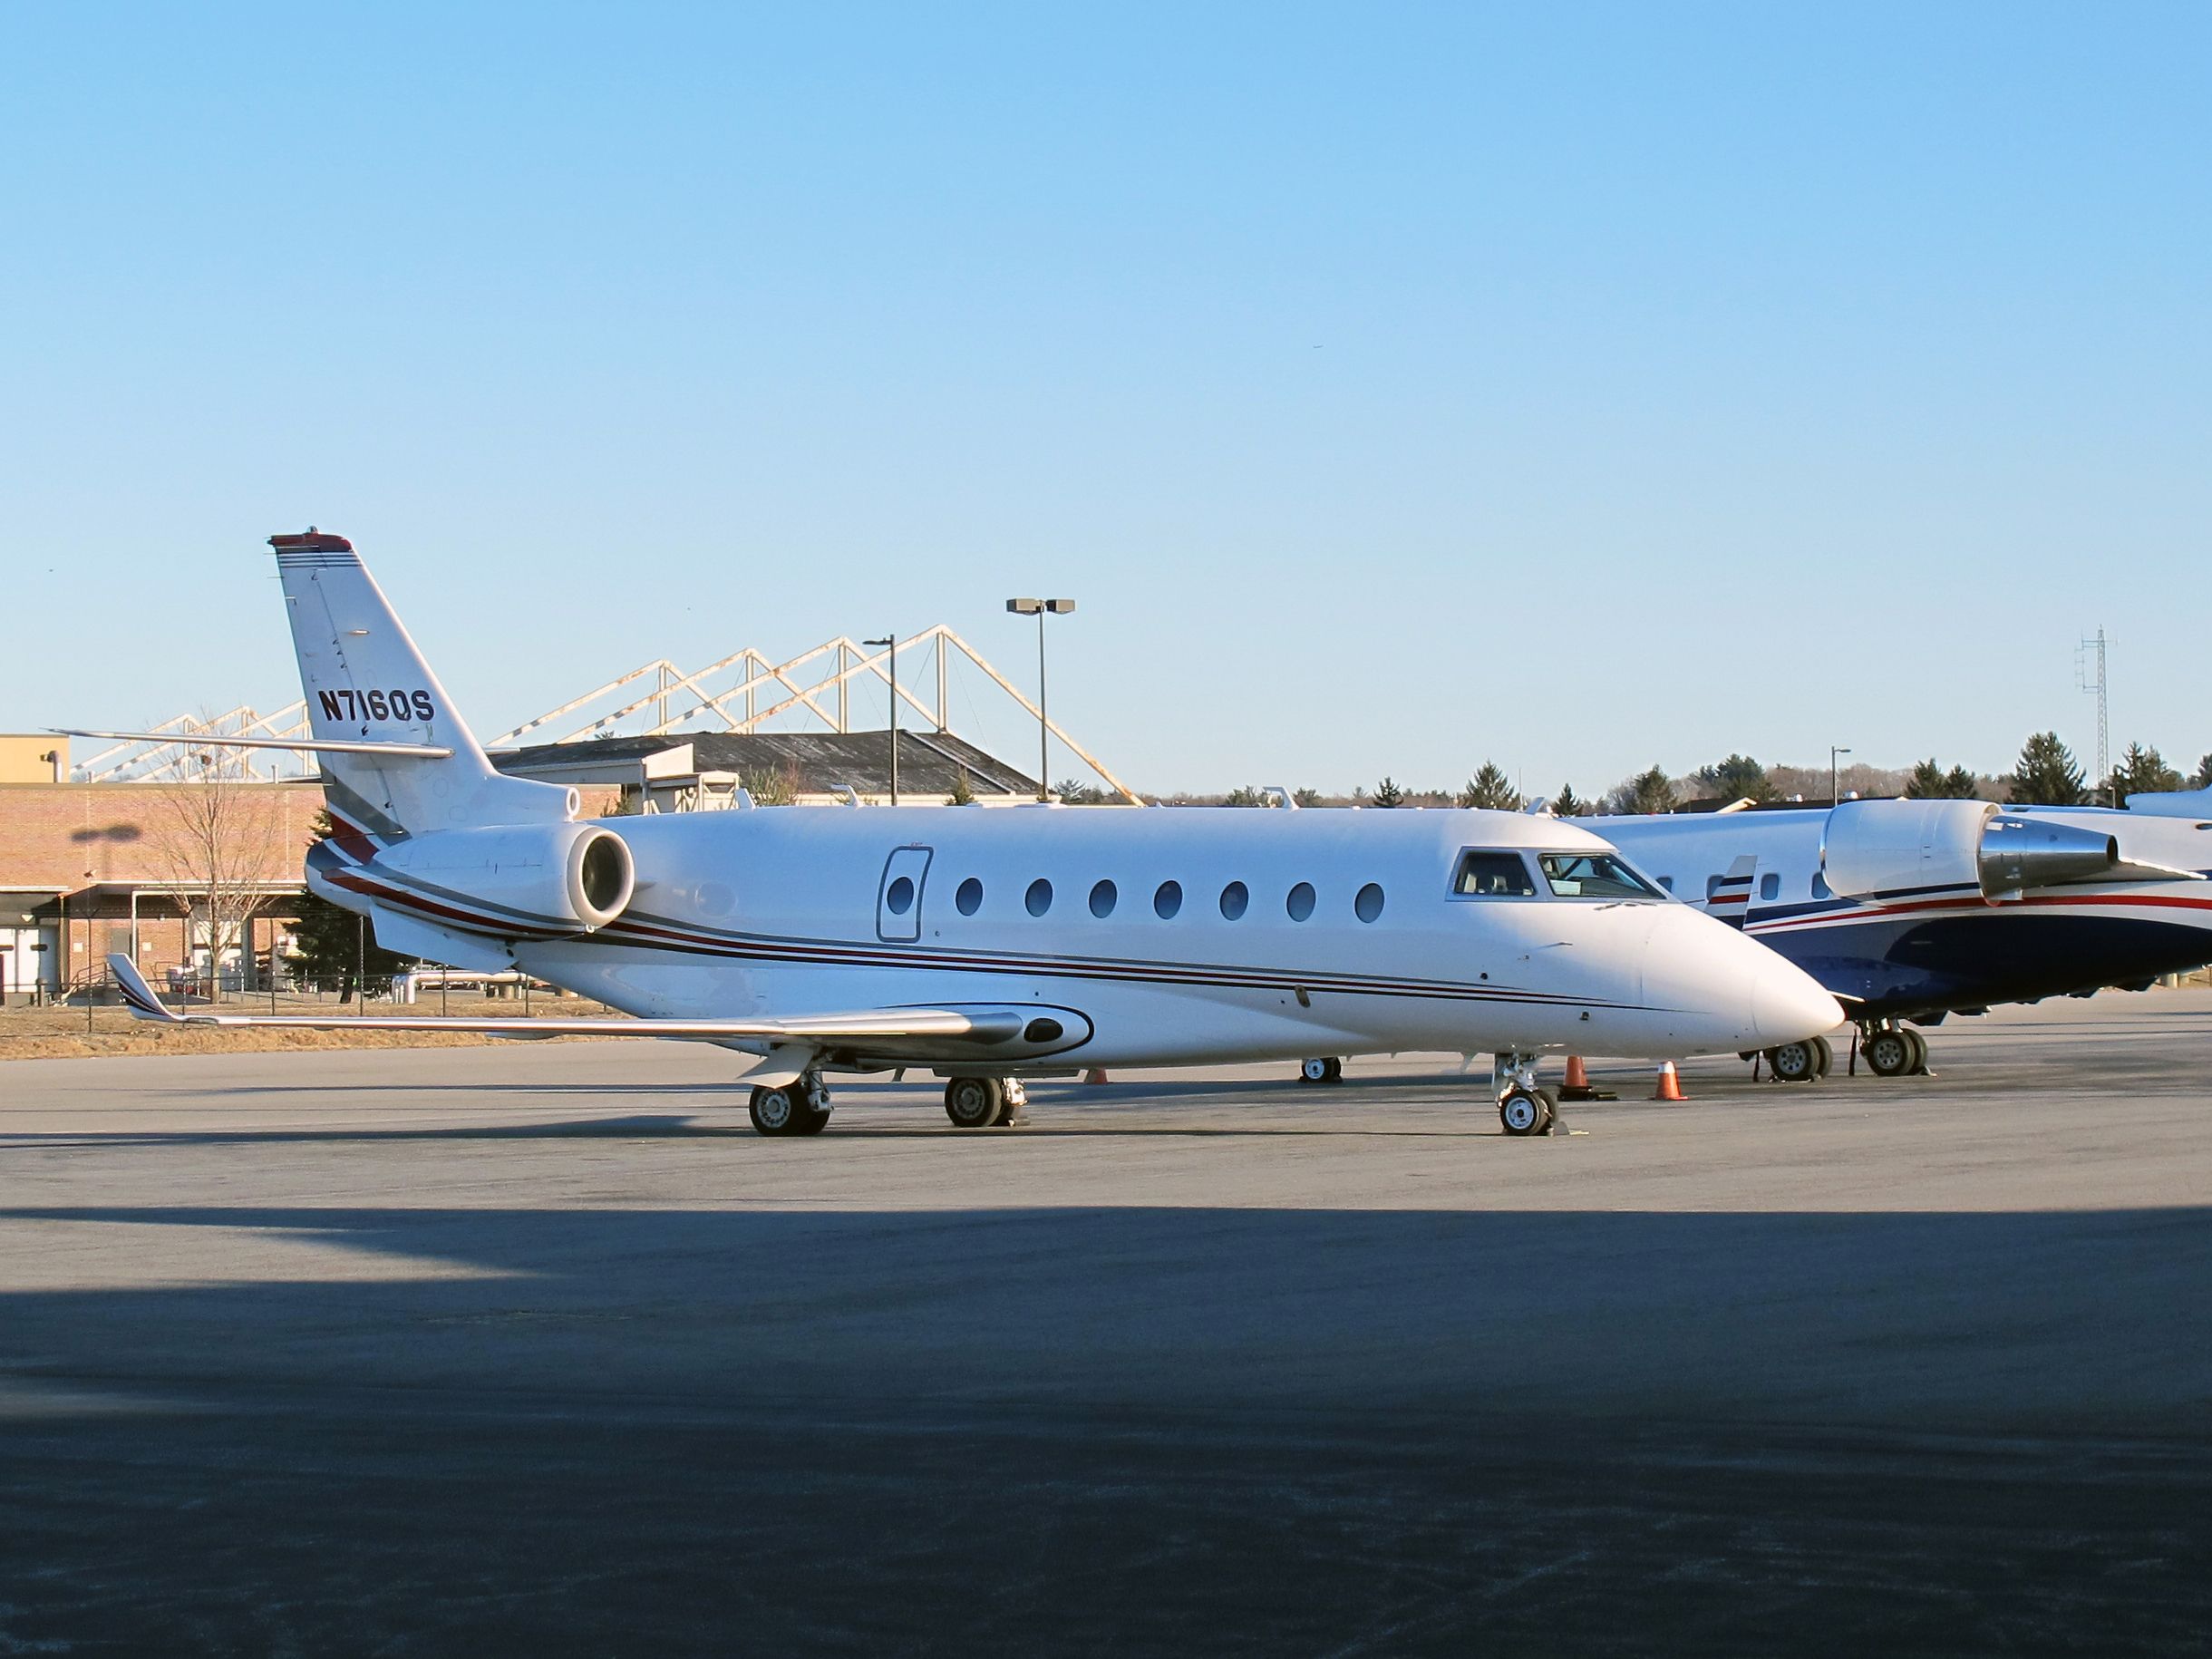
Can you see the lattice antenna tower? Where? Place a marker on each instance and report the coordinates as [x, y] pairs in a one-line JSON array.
[[2090, 675]]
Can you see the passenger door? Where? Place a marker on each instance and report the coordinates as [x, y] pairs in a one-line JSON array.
[[898, 896]]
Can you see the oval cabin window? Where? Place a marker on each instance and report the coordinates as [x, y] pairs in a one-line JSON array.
[[898, 898], [1369, 904], [1102, 898], [969, 898], [1300, 904], [1168, 900], [1233, 899], [1039, 898]]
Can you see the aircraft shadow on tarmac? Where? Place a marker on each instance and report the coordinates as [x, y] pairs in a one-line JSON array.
[[1019, 1426]]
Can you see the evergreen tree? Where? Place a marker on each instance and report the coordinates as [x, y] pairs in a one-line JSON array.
[[1647, 791], [329, 942], [963, 792], [1306, 797], [1737, 778], [2142, 770], [1387, 794], [1568, 804], [1490, 788], [1930, 781], [2203, 779], [1245, 795], [2045, 774]]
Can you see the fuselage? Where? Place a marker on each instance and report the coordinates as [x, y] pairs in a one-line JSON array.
[[1169, 935], [1942, 946]]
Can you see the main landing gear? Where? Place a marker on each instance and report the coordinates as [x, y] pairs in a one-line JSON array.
[[801, 1108], [1801, 1062], [986, 1102], [1330, 1069], [1893, 1051], [1522, 1106]]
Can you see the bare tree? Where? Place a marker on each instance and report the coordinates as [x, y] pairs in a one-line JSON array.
[[204, 835]]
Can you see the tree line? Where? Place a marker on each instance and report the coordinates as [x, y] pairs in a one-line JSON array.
[[2045, 774]]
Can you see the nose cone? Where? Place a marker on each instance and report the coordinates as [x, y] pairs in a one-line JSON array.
[[1787, 1004]]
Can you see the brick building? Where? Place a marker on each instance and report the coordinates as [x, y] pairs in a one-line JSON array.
[[87, 868]]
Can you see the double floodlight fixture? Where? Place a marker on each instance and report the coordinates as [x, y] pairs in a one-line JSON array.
[[1035, 607]]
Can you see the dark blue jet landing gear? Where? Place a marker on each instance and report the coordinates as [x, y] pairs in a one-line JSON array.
[[1893, 1049]]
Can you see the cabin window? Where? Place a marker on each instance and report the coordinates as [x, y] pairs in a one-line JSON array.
[[1492, 875], [1168, 900], [898, 898], [1233, 899], [1713, 888], [1592, 875], [1368, 905], [1300, 902], [1102, 898], [969, 898], [1039, 898], [1667, 882], [1769, 887], [1820, 889]]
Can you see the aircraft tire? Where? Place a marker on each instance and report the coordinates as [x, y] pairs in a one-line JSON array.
[[1336, 1070], [1826, 1053], [1795, 1062], [775, 1112], [1314, 1070], [1890, 1052], [1920, 1051], [975, 1102], [1525, 1112]]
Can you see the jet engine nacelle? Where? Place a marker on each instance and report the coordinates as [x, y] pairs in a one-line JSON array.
[[1887, 849], [566, 878]]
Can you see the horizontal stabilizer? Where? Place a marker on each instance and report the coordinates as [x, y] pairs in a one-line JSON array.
[[201, 739]]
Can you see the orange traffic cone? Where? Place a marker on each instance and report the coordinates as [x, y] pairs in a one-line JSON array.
[[1670, 1085], [1576, 1078], [1096, 1074]]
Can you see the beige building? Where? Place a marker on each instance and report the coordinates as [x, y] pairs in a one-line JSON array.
[[32, 757]]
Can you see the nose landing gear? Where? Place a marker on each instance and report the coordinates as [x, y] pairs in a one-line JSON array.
[[1523, 1108]]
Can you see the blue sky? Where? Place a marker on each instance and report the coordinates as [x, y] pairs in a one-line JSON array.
[[1394, 387]]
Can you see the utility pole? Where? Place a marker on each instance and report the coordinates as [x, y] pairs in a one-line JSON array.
[[1833, 751], [2092, 651]]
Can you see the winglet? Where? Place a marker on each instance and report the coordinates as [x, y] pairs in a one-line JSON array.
[[144, 1004]]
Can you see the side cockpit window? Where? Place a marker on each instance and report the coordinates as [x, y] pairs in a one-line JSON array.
[[1593, 875], [1492, 875]]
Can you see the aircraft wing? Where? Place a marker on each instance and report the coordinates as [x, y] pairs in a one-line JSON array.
[[794, 1041]]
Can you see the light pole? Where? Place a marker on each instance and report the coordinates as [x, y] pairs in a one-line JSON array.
[[1833, 751], [1040, 609], [889, 642]]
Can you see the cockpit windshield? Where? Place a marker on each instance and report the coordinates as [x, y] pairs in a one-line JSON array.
[[1593, 875]]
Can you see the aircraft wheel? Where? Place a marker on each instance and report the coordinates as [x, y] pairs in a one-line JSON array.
[[1312, 1071], [1825, 1052], [1525, 1112], [975, 1102], [1795, 1062], [1920, 1051], [776, 1112], [1336, 1070], [1890, 1052]]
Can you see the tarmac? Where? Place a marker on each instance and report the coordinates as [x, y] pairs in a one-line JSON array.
[[540, 1348]]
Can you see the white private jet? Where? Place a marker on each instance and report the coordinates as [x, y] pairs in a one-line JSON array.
[[988, 945]]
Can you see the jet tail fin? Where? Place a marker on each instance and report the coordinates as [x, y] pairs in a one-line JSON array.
[[1732, 894], [366, 684]]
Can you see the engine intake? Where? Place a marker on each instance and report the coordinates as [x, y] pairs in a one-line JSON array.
[[1888, 849], [518, 878]]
